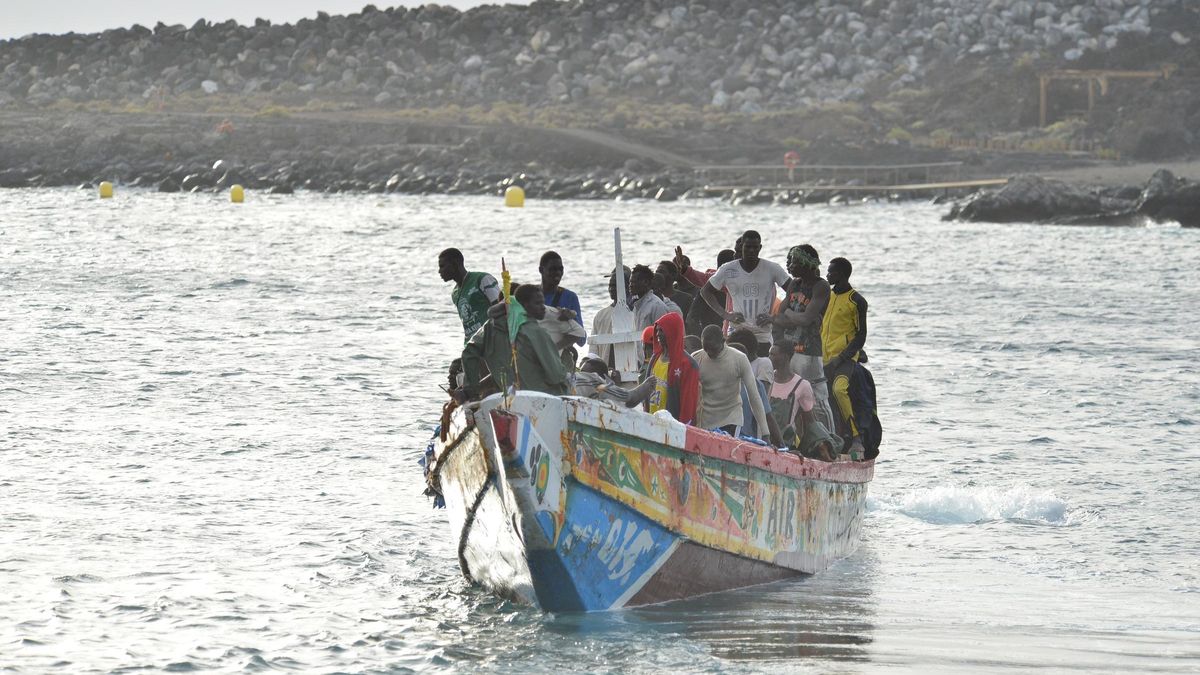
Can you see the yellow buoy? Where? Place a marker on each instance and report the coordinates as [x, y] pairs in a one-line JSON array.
[[514, 196], [237, 195], [106, 190]]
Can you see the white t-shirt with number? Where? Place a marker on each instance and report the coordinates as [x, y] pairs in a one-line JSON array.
[[753, 292]]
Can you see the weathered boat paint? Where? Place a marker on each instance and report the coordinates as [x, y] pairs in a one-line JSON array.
[[616, 508]]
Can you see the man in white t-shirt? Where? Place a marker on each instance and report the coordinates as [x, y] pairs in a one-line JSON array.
[[752, 284]]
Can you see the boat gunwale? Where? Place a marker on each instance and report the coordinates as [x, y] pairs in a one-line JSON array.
[[712, 445]]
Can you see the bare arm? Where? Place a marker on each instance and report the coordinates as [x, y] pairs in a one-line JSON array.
[[860, 338], [640, 393], [746, 374], [773, 429], [716, 301], [811, 314]]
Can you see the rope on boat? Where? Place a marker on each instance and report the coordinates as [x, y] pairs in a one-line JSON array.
[[433, 481]]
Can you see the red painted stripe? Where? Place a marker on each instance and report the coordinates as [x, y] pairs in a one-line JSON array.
[[720, 446]]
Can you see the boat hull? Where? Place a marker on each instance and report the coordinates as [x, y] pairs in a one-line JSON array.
[[575, 505]]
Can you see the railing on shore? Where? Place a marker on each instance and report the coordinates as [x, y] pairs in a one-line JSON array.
[[823, 178], [827, 176]]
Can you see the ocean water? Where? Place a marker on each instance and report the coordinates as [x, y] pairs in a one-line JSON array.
[[211, 415]]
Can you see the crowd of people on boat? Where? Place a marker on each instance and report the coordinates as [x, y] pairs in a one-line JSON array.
[[749, 348]]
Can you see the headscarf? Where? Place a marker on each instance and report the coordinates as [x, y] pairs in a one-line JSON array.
[[806, 259], [683, 377]]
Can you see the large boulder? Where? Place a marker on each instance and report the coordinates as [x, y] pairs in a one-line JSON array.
[[1166, 197], [1029, 199]]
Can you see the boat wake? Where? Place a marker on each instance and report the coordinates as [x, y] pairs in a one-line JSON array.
[[958, 504]]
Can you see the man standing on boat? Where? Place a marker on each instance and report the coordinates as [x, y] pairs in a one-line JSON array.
[[602, 322], [538, 365], [677, 295], [752, 284], [798, 319], [473, 292], [551, 269], [647, 307], [723, 373], [843, 335]]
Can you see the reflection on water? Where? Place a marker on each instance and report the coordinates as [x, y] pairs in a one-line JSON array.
[[828, 616]]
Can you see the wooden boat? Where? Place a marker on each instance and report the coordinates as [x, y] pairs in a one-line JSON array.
[[573, 504]]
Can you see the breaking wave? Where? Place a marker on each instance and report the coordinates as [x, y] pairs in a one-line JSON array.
[[955, 504]]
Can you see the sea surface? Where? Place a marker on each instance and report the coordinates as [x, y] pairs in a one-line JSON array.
[[211, 416]]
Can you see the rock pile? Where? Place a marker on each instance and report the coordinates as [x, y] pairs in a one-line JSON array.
[[1164, 197], [738, 55]]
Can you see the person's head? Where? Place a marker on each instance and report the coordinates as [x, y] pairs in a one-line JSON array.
[[781, 354], [594, 365], [712, 341], [660, 338], [668, 334], [751, 246], [532, 300], [623, 274], [839, 271], [450, 265], [803, 261], [660, 285], [669, 270], [551, 269], [640, 280], [745, 338], [726, 255], [456, 367], [691, 344], [737, 248]]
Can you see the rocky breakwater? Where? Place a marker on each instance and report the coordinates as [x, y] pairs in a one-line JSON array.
[[1164, 198], [739, 55]]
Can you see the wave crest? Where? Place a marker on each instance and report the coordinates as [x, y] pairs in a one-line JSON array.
[[956, 504]]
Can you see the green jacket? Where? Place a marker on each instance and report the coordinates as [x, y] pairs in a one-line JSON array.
[[488, 346], [539, 367]]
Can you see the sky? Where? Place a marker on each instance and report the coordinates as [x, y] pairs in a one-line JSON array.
[[21, 17]]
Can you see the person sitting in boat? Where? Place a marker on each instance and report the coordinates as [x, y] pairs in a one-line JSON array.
[[551, 269], [487, 358], [672, 382], [473, 292], [723, 373], [843, 335], [791, 401], [593, 380], [538, 364]]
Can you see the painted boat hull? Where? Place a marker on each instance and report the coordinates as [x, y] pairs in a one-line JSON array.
[[576, 505]]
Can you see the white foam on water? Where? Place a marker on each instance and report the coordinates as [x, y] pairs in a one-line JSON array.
[[954, 504]]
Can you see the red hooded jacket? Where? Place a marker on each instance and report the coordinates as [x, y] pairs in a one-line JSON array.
[[683, 380]]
